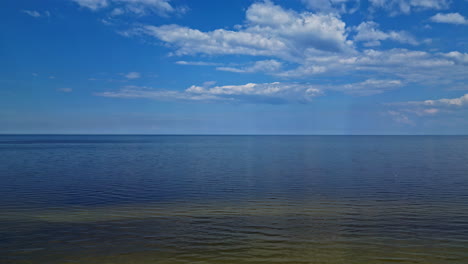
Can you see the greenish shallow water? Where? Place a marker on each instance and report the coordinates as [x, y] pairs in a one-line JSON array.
[[250, 199]]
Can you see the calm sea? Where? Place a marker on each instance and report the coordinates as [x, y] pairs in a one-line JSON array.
[[233, 199]]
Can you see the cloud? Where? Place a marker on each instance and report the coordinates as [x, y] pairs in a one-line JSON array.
[[269, 93], [450, 18], [269, 30], [311, 44], [338, 6], [190, 41], [458, 57], [411, 65], [407, 110], [275, 89], [92, 4], [32, 13], [65, 90], [133, 75], [368, 87], [444, 102], [369, 32], [301, 45], [143, 7], [36, 14], [117, 12], [137, 7], [268, 66], [396, 7], [400, 117], [150, 93], [275, 92], [198, 63]]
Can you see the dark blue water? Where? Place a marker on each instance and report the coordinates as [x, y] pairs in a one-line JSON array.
[[233, 199]]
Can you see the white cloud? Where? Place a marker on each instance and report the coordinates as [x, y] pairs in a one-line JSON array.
[[430, 111], [415, 66], [117, 12], [299, 31], [138, 7], [143, 7], [209, 83], [450, 18], [460, 101], [430, 4], [191, 41], [305, 70], [312, 44], [32, 13], [264, 89], [270, 30], [370, 33], [133, 75], [339, 6], [368, 87], [407, 115], [268, 66], [275, 92], [304, 44], [272, 93], [407, 6], [400, 117], [198, 63], [149, 93], [92, 4], [458, 57], [404, 110], [65, 90], [36, 14]]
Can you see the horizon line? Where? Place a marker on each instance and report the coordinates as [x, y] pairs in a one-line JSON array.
[[224, 134]]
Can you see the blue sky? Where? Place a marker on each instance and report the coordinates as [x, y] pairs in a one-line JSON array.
[[234, 67]]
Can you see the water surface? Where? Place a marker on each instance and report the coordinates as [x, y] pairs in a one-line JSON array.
[[233, 199]]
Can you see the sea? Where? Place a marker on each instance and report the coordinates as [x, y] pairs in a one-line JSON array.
[[141, 199]]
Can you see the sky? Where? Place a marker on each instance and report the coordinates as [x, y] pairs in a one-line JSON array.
[[338, 67]]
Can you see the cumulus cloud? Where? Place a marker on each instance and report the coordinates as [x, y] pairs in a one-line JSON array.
[[458, 57], [450, 18], [301, 45], [191, 41], [311, 44], [407, 6], [275, 92], [269, 30], [370, 33]]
